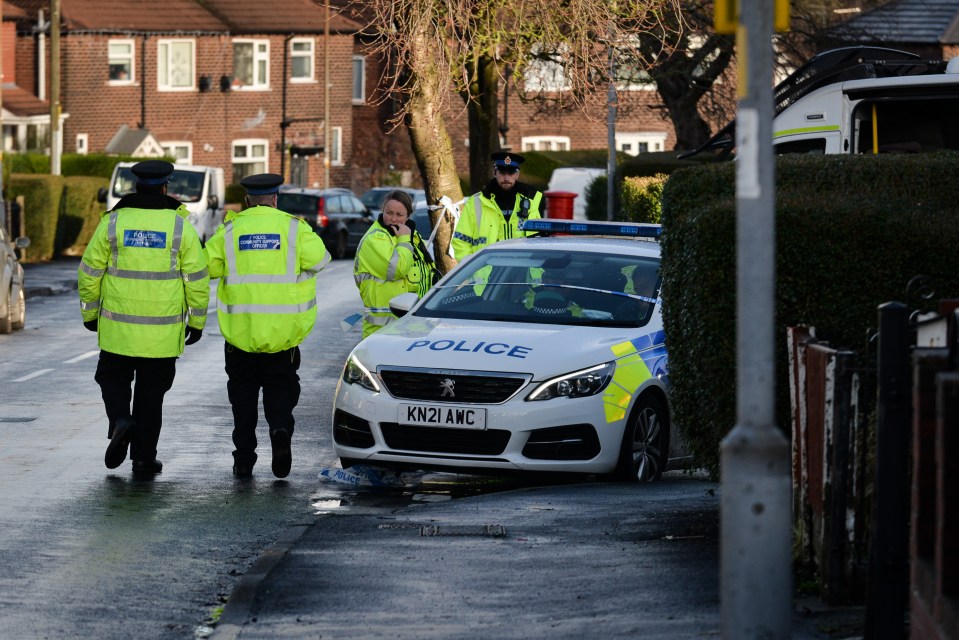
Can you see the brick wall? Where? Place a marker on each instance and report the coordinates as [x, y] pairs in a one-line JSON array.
[[210, 120]]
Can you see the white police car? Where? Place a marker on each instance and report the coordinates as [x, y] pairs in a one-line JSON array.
[[536, 354]]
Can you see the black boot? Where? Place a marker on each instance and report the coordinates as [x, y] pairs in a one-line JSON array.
[[147, 467], [117, 449], [282, 456]]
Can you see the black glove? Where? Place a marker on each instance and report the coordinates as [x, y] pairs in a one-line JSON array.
[[91, 324], [193, 335]]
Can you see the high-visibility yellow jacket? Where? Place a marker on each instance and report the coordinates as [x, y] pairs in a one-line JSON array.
[[144, 276], [385, 266], [482, 222], [267, 262]]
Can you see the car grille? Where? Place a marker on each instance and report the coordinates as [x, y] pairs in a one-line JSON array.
[[481, 442], [570, 442], [419, 384]]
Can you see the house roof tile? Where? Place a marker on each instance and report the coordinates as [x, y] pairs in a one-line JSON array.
[[184, 16], [21, 102], [906, 21]]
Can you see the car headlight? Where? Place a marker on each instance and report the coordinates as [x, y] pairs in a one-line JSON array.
[[355, 373], [577, 384]]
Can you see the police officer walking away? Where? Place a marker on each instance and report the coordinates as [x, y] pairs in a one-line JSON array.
[[144, 289], [267, 262], [495, 213]]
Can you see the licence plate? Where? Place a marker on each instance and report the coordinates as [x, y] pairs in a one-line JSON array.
[[445, 416]]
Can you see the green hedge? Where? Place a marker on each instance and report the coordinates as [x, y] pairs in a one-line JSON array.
[[80, 215], [851, 231], [42, 199]]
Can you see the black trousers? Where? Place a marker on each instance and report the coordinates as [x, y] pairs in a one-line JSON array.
[[154, 377], [275, 373]]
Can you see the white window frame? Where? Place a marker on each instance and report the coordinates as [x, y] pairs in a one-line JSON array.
[[309, 56], [249, 143], [172, 145], [336, 146], [83, 144], [259, 83], [655, 141], [545, 143], [163, 64], [128, 59], [359, 98]]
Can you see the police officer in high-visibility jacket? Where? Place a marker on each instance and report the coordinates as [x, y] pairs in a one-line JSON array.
[[144, 289], [496, 212], [391, 259], [267, 262]]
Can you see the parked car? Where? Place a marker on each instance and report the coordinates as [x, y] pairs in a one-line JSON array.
[[535, 354], [13, 304], [336, 215], [373, 198]]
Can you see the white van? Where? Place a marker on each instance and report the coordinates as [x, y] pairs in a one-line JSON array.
[[859, 100], [575, 180], [201, 189]]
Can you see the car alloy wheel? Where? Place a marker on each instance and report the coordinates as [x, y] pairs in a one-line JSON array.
[[644, 452]]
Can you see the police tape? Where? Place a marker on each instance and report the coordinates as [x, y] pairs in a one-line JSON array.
[[452, 208]]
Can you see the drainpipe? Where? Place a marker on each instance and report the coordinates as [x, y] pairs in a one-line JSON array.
[[56, 145], [41, 57], [143, 85], [283, 121]]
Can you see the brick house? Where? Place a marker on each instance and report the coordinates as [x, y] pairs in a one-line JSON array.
[[217, 82]]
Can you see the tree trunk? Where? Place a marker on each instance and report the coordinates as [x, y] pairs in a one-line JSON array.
[[682, 105], [482, 107], [432, 147]]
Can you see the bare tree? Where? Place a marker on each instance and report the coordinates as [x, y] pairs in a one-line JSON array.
[[440, 49]]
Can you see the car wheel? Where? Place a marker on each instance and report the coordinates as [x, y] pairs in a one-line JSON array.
[[19, 311], [645, 448], [6, 322]]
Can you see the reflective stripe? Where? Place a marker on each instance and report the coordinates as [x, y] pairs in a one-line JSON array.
[[199, 275], [90, 271], [379, 321], [291, 246], [362, 277], [228, 251], [150, 320], [143, 275], [377, 309], [175, 245], [479, 210], [112, 235], [265, 308], [394, 263], [89, 306], [319, 265], [197, 313], [466, 238], [276, 278]]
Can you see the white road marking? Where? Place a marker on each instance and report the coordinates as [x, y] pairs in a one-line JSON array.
[[88, 354], [32, 375]]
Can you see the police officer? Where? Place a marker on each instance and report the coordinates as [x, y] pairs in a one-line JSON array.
[[144, 289], [267, 262], [391, 259], [495, 213]]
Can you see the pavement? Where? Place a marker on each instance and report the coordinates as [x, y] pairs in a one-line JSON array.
[[589, 560]]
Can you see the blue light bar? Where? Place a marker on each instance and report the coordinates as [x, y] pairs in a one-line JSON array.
[[572, 227]]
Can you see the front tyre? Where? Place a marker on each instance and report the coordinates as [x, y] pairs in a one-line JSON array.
[[18, 310], [6, 321], [645, 449]]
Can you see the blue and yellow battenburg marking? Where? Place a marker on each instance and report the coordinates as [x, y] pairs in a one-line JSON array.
[[637, 361]]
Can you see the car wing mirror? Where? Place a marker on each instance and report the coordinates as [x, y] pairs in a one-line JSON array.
[[22, 242], [102, 194], [401, 304]]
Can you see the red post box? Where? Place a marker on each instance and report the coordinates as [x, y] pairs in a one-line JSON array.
[[559, 204]]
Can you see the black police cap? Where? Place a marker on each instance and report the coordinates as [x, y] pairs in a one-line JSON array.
[[507, 160], [152, 171], [262, 184]]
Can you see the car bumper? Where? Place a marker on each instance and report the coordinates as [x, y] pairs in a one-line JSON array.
[[558, 435]]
